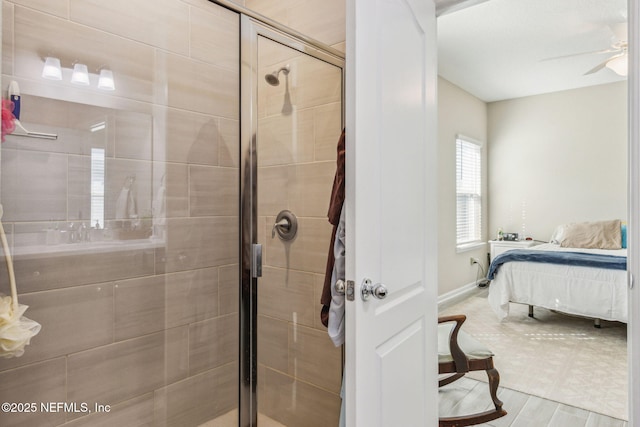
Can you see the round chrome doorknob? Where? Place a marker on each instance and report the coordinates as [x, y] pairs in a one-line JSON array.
[[378, 290], [339, 287]]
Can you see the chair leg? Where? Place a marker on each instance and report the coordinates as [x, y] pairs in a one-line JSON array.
[[494, 382]]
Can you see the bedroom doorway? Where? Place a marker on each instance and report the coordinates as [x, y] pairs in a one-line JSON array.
[[632, 202]]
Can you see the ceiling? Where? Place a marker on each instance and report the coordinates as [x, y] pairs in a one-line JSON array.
[[501, 49]]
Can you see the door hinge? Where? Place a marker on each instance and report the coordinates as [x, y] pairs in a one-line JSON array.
[[351, 290], [256, 260]]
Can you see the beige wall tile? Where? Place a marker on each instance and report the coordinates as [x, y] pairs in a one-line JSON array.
[[214, 36], [38, 35], [273, 191], [310, 188], [39, 196], [229, 289], [286, 295], [45, 271], [199, 243], [197, 399], [318, 285], [324, 21], [133, 135], [185, 137], [196, 86], [229, 143], [140, 307], [72, 319], [273, 343], [285, 139], [123, 370], [213, 191], [307, 252], [328, 127], [137, 412], [296, 403], [162, 23], [213, 343], [312, 83], [192, 296], [54, 7], [7, 38], [314, 359], [40, 382], [150, 304], [174, 177]]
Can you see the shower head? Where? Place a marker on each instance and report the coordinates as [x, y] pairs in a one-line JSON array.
[[273, 79]]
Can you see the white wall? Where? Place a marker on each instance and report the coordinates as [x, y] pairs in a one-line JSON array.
[[558, 158], [458, 113]]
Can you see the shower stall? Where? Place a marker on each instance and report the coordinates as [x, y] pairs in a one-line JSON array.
[[168, 227]]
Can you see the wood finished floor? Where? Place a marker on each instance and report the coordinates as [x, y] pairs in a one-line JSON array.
[[468, 396]]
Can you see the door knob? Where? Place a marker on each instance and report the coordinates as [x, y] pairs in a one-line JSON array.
[[378, 290], [339, 287]]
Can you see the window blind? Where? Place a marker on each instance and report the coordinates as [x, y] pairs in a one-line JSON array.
[[97, 187], [468, 192]]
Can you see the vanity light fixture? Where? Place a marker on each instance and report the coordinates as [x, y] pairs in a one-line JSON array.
[[80, 75], [105, 80], [52, 69]]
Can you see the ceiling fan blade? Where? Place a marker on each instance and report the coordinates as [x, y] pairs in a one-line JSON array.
[[602, 64], [595, 52]]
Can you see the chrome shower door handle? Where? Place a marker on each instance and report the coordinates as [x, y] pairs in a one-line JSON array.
[[378, 290]]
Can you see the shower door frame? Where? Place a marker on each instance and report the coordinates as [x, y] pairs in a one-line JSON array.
[[250, 30]]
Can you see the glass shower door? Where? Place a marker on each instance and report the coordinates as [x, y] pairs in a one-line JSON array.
[[297, 122]]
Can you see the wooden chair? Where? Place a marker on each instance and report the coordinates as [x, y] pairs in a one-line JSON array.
[[459, 353]]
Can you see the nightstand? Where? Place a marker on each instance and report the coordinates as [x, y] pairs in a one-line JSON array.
[[499, 246]]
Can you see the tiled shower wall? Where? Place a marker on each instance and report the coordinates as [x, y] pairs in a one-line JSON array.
[[140, 314], [299, 123]]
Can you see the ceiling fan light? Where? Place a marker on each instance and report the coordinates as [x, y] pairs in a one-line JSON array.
[[619, 65]]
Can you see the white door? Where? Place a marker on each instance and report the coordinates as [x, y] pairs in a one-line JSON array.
[[391, 366]]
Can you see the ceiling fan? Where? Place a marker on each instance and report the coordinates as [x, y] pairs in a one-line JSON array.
[[618, 60]]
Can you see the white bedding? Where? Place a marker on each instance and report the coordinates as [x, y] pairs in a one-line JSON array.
[[585, 291]]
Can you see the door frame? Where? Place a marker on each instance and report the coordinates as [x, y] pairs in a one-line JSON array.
[[633, 256], [250, 30], [633, 190]]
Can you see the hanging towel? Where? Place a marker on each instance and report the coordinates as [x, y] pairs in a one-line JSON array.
[[336, 309], [126, 203], [335, 209]]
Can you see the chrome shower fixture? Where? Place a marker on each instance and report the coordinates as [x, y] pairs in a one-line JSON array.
[[273, 79]]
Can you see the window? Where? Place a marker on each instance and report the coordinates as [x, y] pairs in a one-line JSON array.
[[468, 192]]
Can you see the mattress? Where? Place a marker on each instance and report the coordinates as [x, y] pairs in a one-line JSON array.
[[585, 291]]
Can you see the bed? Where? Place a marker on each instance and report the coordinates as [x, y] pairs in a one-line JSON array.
[[587, 282]]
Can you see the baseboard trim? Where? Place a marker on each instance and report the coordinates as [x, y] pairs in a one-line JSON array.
[[457, 295]]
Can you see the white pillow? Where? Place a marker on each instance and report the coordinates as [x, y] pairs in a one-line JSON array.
[[558, 235]]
